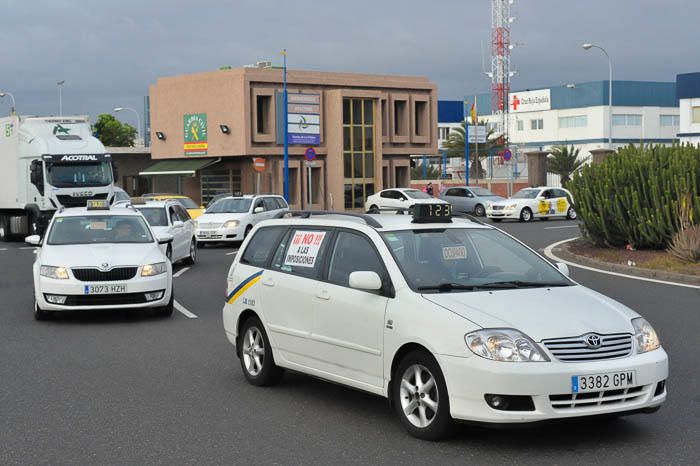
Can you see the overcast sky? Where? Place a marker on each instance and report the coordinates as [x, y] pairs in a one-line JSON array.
[[109, 52]]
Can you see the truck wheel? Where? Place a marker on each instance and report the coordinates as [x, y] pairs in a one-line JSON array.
[[4, 228]]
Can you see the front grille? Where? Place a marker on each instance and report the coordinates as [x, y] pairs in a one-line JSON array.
[[498, 207], [575, 349], [70, 201], [209, 226], [602, 398], [95, 275], [107, 299]]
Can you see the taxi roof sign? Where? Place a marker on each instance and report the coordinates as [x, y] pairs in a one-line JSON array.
[[97, 204], [138, 200], [432, 213]]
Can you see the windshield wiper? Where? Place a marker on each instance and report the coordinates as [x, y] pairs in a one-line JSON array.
[[447, 287], [520, 284]]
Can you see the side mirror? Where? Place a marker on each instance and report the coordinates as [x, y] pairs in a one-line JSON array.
[[257, 210], [34, 240], [563, 268], [115, 172], [365, 281], [178, 224], [165, 238]]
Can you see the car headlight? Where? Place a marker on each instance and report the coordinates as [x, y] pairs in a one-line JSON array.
[[647, 339], [511, 207], [231, 224], [50, 271], [504, 344], [150, 270]]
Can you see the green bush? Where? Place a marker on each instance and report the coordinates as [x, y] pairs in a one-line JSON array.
[[634, 196]]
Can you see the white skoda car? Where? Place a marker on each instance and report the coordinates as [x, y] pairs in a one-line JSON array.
[[97, 258], [449, 319]]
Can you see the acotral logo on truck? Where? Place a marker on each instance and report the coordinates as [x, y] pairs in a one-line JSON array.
[[79, 158]]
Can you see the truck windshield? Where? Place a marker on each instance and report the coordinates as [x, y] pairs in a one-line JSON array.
[[68, 175]]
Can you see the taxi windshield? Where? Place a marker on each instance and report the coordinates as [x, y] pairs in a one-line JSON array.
[[526, 194], [155, 216], [461, 259], [96, 229], [230, 206], [186, 202]]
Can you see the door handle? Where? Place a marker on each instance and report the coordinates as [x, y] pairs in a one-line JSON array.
[[268, 282], [323, 294]]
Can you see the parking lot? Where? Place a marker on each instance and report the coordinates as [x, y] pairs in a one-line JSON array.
[[122, 387]]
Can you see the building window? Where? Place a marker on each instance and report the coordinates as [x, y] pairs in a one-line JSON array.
[[400, 113], [579, 121], [696, 114], [443, 133], [421, 118], [521, 125], [537, 124], [627, 120], [670, 120], [358, 151], [385, 117], [263, 123], [215, 182]]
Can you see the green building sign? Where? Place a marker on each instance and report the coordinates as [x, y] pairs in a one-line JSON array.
[[196, 134]]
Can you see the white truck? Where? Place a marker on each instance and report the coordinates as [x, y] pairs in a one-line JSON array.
[[47, 163]]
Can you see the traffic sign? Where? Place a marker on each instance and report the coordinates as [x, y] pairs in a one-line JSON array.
[[477, 134], [310, 154], [507, 155], [259, 164]]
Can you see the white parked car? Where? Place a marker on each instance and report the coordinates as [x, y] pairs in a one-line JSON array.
[[170, 217], [544, 203], [231, 218], [450, 319], [399, 198], [96, 258]]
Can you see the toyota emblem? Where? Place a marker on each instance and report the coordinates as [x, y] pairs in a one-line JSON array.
[[593, 341]]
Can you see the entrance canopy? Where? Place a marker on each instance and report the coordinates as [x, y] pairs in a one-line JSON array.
[[178, 167]]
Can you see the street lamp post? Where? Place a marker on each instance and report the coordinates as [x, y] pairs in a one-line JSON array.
[[60, 96], [589, 46], [138, 119], [286, 137], [3, 94]]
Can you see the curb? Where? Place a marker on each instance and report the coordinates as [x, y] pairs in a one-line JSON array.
[[563, 251]]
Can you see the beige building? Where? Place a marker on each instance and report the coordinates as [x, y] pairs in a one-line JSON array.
[[207, 129]]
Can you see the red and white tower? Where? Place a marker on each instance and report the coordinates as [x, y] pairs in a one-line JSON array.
[[500, 62]]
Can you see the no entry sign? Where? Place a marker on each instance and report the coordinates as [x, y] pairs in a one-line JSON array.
[[259, 164]]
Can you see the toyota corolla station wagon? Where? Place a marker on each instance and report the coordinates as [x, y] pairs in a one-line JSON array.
[[450, 319]]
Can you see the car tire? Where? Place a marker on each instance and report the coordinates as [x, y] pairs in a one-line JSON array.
[[255, 354], [479, 211], [39, 313], [525, 215], [571, 214], [192, 258], [167, 310], [373, 207], [496, 220], [247, 231], [425, 420]]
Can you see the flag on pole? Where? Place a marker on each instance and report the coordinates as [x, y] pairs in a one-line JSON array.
[[474, 116]]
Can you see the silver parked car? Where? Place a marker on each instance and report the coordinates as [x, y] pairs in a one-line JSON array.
[[469, 199]]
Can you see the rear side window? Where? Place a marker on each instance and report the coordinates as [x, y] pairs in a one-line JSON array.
[[353, 253], [302, 252], [261, 246]]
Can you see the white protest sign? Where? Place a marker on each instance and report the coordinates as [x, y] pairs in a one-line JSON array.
[[304, 248]]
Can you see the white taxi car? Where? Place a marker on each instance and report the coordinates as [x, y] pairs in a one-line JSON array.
[[543, 202], [170, 217], [401, 198], [231, 218], [450, 319], [95, 257]]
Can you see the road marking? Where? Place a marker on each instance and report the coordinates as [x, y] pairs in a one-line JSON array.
[[180, 272], [184, 310], [28, 247], [232, 253], [565, 226], [548, 252], [3, 249]]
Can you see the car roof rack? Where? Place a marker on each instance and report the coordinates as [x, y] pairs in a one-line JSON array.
[[405, 210], [369, 220]]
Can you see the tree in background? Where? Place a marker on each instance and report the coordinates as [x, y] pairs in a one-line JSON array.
[[114, 133], [455, 148], [564, 161], [432, 172]]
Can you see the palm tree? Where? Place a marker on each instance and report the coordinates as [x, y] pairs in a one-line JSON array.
[[564, 161], [455, 148], [432, 172]]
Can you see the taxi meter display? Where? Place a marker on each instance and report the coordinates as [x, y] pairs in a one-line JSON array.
[[304, 248]]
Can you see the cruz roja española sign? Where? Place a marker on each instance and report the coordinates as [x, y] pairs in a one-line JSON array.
[[196, 134]]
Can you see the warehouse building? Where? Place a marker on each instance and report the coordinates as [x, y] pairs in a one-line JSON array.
[[688, 89]]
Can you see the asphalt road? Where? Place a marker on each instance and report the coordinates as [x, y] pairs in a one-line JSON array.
[[118, 388]]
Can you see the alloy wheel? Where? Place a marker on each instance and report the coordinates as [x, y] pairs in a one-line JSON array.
[[253, 351], [419, 396]]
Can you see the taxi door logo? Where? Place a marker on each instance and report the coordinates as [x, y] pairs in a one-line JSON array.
[[196, 134]]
